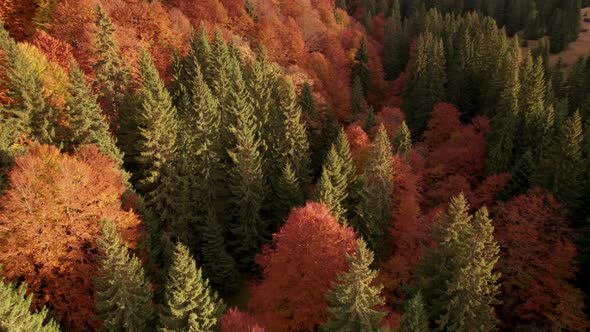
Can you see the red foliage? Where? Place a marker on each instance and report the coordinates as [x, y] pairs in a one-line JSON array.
[[299, 267], [391, 118], [359, 145], [17, 16], [536, 262], [50, 223], [234, 320], [55, 50]]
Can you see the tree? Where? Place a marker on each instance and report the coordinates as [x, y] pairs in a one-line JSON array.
[[122, 292], [50, 223], [462, 261], [348, 170], [426, 85], [15, 314], [112, 76], [288, 193], [235, 320], [357, 100], [332, 186], [395, 44], [88, 124], [353, 300], [402, 143], [190, 304], [415, 318], [307, 254], [360, 68], [532, 100], [375, 205]]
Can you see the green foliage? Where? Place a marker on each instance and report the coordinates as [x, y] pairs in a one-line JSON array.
[[357, 100], [353, 299], [190, 305], [289, 194], [369, 121], [402, 143], [374, 209], [532, 103], [332, 187], [15, 314], [123, 294], [360, 68], [415, 318]]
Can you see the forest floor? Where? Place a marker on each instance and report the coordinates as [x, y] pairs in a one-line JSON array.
[[579, 48]]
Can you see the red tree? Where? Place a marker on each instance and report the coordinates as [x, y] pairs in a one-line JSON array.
[[536, 262], [50, 223], [234, 320], [299, 267]]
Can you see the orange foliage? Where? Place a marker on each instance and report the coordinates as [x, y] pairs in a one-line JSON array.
[[234, 320], [536, 262], [17, 16], [55, 50], [50, 223], [299, 267], [359, 145]]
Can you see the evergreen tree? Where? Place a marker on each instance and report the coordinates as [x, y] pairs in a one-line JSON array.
[[112, 76], [288, 193], [370, 120], [353, 300], [395, 45], [15, 314], [360, 68], [332, 187], [402, 143], [357, 100], [348, 172], [123, 294], [426, 85], [532, 103], [313, 126], [157, 125], [374, 209], [462, 262], [219, 71], [88, 124], [415, 318], [190, 305]]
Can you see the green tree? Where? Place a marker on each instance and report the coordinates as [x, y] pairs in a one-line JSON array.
[[354, 301], [415, 318], [374, 209], [332, 187], [15, 313], [360, 68], [369, 121], [348, 172], [190, 304], [395, 44], [532, 103], [426, 85], [288, 193], [123, 294], [402, 142], [88, 124], [357, 100]]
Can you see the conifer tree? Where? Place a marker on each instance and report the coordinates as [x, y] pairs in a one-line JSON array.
[[27, 114], [348, 172], [190, 304], [15, 314], [360, 68], [395, 44], [219, 71], [288, 194], [532, 102], [313, 126], [402, 143], [374, 209], [88, 124], [415, 318], [201, 51], [112, 76], [357, 100], [426, 85], [123, 294], [157, 125], [353, 299], [332, 187], [370, 120]]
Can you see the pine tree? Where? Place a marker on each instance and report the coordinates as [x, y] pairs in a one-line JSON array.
[[348, 172], [395, 44], [426, 85], [157, 125], [27, 114], [332, 187], [370, 120], [360, 68], [532, 102], [462, 262], [504, 122], [415, 318], [374, 209], [15, 314], [568, 184], [190, 305], [357, 100], [353, 299], [123, 294], [402, 143], [88, 124], [313, 126], [112, 76], [289, 195], [218, 73]]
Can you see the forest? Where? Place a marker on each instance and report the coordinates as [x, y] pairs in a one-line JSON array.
[[294, 165]]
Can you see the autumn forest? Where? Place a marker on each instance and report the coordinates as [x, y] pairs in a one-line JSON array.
[[294, 165]]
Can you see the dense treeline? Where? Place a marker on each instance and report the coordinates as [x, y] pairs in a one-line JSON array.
[[154, 169]]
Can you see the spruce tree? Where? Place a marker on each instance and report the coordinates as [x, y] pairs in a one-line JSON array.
[[374, 209], [190, 304], [357, 100], [415, 318], [426, 85], [348, 172], [532, 102], [218, 73], [353, 299], [88, 124], [288, 193], [313, 126], [112, 76], [123, 294], [360, 68], [332, 187], [395, 44], [370, 120], [15, 311], [157, 124], [402, 143]]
